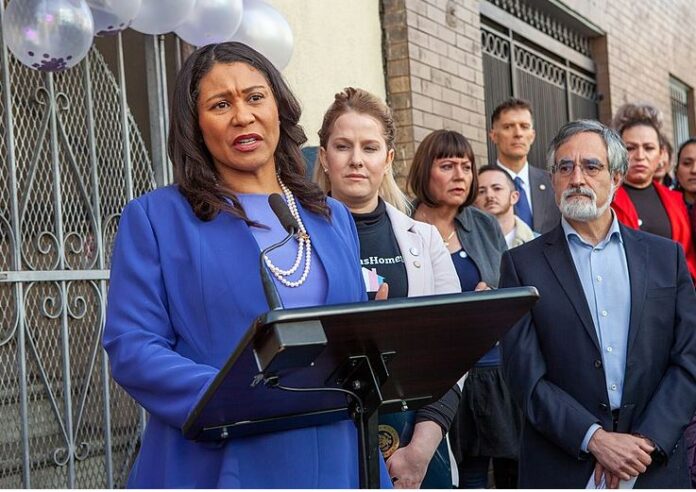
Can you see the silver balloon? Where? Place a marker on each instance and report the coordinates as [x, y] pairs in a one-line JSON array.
[[162, 16], [113, 16], [48, 35], [212, 21], [266, 30]]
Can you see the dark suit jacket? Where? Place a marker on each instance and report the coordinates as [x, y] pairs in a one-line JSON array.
[[553, 364], [544, 208]]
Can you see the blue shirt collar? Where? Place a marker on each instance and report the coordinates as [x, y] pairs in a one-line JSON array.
[[613, 233]]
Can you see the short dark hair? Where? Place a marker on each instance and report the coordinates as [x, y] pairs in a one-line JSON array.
[[438, 145], [494, 167], [508, 104], [194, 170], [684, 144]]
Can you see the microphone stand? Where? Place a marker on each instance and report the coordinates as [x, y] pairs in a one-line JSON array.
[[269, 286]]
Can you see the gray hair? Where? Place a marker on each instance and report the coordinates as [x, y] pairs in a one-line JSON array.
[[616, 151]]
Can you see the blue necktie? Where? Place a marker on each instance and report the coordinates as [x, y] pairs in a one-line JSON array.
[[522, 209]]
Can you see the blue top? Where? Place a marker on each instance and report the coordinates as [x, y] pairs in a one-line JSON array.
[[601, 269], [182, 294], [313, 291], [469, 277], [467, 271]]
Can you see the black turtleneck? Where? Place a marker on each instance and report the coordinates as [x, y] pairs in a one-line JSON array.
[[379, 252], [652, 216]]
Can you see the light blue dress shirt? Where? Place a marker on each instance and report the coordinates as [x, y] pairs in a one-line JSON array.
[[603, 272]]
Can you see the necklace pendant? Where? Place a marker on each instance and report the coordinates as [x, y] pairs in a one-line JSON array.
[[302, 236]]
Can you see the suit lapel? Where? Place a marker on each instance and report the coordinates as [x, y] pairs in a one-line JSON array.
[[407, 241], [326, 245], [231, 261], [637, 261], [538, 202], [561, 262]]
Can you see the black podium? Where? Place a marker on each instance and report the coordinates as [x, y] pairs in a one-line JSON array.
[[312, 366]]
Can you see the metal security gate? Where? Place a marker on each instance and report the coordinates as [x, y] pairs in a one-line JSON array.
[[71, 156], [557, 91]]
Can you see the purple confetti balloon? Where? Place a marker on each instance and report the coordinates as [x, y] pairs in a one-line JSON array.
[[48, 35], [113, 16]]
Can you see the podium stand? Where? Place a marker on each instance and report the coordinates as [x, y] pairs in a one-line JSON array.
[[393, 355]]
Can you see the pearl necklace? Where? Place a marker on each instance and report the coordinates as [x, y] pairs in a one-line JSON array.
[[304, 246]]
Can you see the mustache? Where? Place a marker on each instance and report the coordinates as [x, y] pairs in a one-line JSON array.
[[579, 190]]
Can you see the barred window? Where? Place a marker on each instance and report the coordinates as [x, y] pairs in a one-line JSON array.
[[679, 98]]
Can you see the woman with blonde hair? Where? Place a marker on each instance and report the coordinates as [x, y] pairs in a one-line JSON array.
[[354, 165]]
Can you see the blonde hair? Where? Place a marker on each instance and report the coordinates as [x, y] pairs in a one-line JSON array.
[[362, 102]]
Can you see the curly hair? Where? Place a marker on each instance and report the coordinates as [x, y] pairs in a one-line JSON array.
[[194, 170], [637, 114]]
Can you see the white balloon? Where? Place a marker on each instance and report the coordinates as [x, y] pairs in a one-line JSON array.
[[162, 16], [113, 16], [48, 35], [266, 30], [212, 21]]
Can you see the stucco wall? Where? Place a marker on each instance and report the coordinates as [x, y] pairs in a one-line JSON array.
[[338, 43]]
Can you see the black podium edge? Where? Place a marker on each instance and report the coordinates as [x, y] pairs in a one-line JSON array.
[[314, 312]]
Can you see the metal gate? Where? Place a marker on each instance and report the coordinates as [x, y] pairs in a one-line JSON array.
[[71, 156], [557, 91]]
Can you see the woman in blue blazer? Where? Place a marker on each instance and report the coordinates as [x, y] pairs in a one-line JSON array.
[[185, 284]]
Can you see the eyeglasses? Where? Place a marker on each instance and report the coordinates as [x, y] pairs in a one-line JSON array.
[[589, 167]]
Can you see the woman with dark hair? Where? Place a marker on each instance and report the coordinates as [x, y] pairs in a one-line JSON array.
[[641, 202], [444, 180], [185, 285], [356, 139], [685, 175]]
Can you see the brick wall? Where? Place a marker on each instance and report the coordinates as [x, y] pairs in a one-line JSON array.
[[434, 72], [434, 69], [645, 43]]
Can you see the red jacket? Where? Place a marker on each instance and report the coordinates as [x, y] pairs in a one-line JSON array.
[[674, 205]]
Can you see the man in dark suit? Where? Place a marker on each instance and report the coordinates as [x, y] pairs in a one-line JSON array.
[[604, 365], [512, 132]]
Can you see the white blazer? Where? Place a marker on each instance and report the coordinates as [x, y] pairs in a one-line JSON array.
[[429, 270], [429, 266]]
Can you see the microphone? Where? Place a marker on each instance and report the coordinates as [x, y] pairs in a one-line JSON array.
[[289, 223], [282, 211]]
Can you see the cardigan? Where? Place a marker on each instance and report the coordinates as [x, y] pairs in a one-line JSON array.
[[481, 237], [428, 264]]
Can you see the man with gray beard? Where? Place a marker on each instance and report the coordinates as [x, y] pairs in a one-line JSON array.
[[604, 365]]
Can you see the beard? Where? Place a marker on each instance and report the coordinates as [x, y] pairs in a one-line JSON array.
[[576, 208]]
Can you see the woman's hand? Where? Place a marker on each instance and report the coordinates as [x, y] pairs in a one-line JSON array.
[[408, 465], [383, 292], [481, 286]]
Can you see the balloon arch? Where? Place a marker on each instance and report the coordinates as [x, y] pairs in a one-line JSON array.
[[54, 35]]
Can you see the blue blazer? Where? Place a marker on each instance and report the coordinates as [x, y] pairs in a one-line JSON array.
[[182, 294], [553, 363]]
